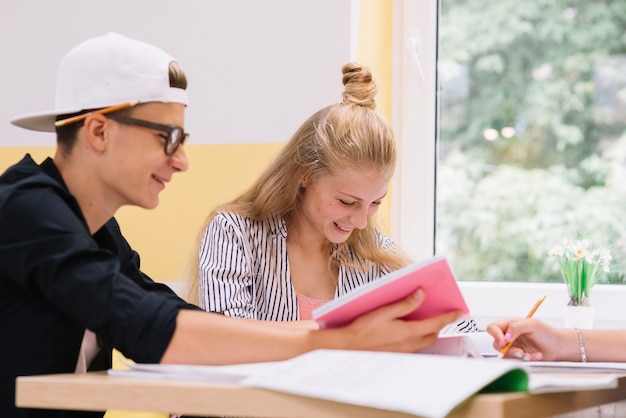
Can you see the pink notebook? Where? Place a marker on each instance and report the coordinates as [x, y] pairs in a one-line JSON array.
[[433, 275]]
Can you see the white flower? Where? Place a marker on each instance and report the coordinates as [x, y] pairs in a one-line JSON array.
[[556, 252]]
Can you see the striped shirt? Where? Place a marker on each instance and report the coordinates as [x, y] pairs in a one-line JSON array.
[[244, 270]]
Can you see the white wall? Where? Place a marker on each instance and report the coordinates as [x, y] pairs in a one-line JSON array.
[[257, 68]]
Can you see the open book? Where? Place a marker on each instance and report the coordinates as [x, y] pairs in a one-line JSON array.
[[426, 385], [433, 275]]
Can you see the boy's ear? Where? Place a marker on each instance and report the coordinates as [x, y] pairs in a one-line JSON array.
[[95, 126]]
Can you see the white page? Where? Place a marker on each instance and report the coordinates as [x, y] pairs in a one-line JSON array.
[[545, 383], [425, 385], [218, 374], [576, 367], [457, 344]]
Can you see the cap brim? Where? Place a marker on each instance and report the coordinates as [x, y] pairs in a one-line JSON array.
[[44, 121], [41, 121]]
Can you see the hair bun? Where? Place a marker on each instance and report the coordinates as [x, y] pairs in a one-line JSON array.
[[359, 86]]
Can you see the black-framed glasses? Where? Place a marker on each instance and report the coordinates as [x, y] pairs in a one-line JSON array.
[[176, 136]]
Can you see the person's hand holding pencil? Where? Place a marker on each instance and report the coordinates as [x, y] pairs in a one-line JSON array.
[[532, 339], [526, 335], [505, 349]]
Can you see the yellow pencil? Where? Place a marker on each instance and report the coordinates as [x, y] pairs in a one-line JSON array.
[[104, 111], [530, 314]]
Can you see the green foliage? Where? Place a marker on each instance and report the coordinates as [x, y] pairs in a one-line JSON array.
[[531, 64], [499, 225], [536, 66]]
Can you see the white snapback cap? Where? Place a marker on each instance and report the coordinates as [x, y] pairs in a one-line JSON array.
[[107, 71]]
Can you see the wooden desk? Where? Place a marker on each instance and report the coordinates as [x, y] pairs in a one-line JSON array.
[[97, 391]]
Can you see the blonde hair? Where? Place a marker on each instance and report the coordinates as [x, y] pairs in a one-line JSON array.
[[345, 136]]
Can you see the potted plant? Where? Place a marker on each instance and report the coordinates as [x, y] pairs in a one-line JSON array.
[[581, 265]]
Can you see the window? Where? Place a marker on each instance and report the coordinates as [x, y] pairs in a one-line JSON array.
[[532, 134], [552, 71]]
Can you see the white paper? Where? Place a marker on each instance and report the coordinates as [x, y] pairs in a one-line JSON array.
[[425, 385], [575, 367], [219, 374], [545, 383], [459, 344]]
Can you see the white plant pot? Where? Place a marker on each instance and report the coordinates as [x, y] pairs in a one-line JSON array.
[[579, 317]]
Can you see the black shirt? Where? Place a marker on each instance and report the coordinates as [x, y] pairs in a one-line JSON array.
[[56, 280]]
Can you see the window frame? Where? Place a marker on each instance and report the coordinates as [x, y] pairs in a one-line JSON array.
[[414, 118]]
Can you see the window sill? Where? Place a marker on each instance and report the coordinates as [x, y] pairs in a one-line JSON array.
[[489, 301]]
